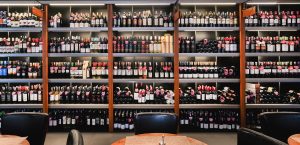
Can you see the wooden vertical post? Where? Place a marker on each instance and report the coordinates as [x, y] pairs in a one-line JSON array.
[[110, 67], [45, 58], [242, 66], [176, 60]]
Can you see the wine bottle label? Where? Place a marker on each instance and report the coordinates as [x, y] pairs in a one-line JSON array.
[[126, 126], [216, 126], [229, 127], [19, 97], [298, 20], [122, 127], [151, 96], [131, 126], [211, 125], [205, 126], [211, 75], [186, 121], [285, 47], [195, 75], [247, 71], [198, 97], [203, 96], [278, 48], [256, 71], [205, 75], [148, 96], [292, 48], [93, 121], [88, 121], [136, 96], [50, 122], [54, 122], [115, 125], [283, 22], [289, 20], [215, 97], [190, 76], [73, 121]]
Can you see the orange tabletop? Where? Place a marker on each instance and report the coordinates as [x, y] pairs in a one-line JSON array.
[[191, 140], [294, 139], [10, 138]]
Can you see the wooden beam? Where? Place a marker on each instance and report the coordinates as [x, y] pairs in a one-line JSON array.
[[242, 67], [45, 58], [176, 60], [110, 68], [249, 12], [37, 12]]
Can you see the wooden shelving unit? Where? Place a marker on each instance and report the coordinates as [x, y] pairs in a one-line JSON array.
[[241, 29]]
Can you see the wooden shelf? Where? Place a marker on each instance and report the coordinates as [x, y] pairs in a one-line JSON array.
[[209, 106], [78, 106], [84, 29], [208, 28]]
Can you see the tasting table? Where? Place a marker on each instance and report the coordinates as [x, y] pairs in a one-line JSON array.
[[11, 140], [294, 139], [191, 140]]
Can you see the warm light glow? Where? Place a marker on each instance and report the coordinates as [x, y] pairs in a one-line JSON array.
[[19, 4], [266, 3], [75, 4], [143, 4], [207, 3]]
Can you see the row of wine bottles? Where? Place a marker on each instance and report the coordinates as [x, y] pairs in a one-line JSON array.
[[274, 18], [143, 19], [13, 94], [143, 44], [206, 94], [208, 19], [80, 119], [143, 94], [79, 20], [22, 44], [124, 118], [77, 44], [20, 69], [221, 45], [273, 69], [78, 69], [83, 94], [209, 120], [270, 95], [272, 44], [194, 69], [143, 70], [16, 19]]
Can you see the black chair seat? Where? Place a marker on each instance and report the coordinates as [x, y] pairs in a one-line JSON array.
[[75, 138], [32, 125], [155, 122], [250, 137], [280, 125]]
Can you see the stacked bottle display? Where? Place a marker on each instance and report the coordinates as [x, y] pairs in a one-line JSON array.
[[17, 19], [21, 94], [77, 44], [143, 44], [145, 18], [22, 44], [274, 18], [208, 94], [273, 69], [193, 69], [272, 44], [78, 70], [124, 119], [208, 19], [209, 120], [78, 94], [143, 94], [143, 70], [80, 119], [221, 45], [20, 69], [79, 20], [270, 95]]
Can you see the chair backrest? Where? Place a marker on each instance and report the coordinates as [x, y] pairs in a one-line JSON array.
[[250, 137], [30, 124], [75, 138], [155, 122], [280, 125]]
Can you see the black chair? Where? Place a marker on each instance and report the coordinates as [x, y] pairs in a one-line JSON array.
[[280, 125], [155, 122], [250, 137], [75, 138], [32, 125]]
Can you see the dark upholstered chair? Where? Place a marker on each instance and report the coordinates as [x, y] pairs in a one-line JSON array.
[[155, 122], [250, 137], [32, 125], [75, 138], [280, 125]]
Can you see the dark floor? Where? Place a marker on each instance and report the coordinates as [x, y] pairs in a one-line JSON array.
[[108, 138]]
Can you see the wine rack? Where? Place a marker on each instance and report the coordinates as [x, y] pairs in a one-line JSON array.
[[267, 101], [99, 21]]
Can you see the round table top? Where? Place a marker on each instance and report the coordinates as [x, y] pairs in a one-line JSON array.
[[191, 140], [10, 138], [294, 139]]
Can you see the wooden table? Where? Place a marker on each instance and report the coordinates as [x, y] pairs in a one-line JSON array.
[[13, 137], [294, 139], [191, 140]]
